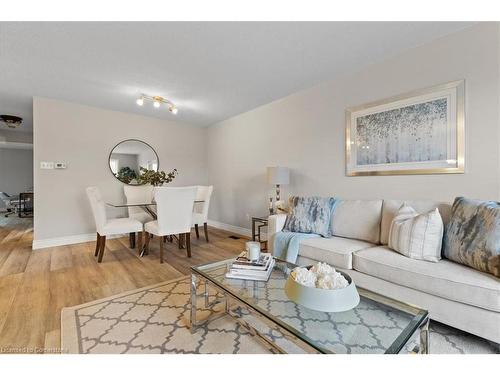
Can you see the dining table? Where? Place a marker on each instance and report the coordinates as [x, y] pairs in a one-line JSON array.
[[148, 207]]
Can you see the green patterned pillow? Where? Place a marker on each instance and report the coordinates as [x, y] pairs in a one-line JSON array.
[[472, 237], [310, 215]]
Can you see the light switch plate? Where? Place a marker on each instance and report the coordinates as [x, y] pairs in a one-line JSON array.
[[46, 165]]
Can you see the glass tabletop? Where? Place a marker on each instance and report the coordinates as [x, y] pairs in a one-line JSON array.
[[145, 204], [377, 325], [124, 204], [260, 218]]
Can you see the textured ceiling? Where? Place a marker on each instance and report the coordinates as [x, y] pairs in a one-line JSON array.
[[212, 71]]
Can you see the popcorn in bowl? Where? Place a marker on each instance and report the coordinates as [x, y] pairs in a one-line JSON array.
[[321, 276]]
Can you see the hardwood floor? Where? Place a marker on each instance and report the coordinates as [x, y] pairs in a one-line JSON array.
[[36, 285]]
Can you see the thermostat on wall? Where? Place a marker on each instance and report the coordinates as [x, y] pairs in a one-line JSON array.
[[59, 165]]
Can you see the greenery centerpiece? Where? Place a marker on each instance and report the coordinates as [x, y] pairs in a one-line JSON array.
[[155, 178]]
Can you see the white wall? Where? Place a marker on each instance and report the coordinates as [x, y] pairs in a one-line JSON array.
[[16, 171], [305, 131], [83, 137]]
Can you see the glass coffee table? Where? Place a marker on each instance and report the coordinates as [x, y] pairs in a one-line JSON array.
[[377, 325]]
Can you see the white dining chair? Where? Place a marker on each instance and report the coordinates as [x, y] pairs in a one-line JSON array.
[[200, 213], [137, 195], [174, 207], [105, 227]]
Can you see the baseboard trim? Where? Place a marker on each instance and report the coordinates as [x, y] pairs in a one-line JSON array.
[[67, 240], [230, 228], [89, 237]]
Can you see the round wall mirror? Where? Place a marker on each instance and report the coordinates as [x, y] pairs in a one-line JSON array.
[[128, 157]]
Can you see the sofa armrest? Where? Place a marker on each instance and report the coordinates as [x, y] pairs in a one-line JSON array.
[[275, 224]]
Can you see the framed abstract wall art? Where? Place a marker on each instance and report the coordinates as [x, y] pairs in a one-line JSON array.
[[421, 132]]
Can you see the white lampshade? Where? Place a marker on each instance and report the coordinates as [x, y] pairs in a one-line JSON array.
[[278, 175]]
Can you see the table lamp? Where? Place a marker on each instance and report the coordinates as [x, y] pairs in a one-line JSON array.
[[278, 176]]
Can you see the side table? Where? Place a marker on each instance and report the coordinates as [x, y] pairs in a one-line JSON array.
[[257, 224]]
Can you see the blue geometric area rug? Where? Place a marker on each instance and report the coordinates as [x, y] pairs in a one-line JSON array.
[[155, 319]]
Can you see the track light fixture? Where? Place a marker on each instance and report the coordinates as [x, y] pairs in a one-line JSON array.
[[157, 102]]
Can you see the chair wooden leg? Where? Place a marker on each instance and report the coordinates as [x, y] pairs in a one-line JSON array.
[[102, 248], [162, 245], [170, 238], [164, 239], [205, 227], [140, 237], [196, 230], [146, 245], [181, 240], [97, 244], [188, 244], [131, 238]]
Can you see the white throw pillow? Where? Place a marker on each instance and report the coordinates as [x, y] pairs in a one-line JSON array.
[[417, 236]]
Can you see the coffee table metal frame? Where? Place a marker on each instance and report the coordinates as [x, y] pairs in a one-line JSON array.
[[233, 303]]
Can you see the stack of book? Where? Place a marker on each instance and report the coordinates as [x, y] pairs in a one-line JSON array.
[[243, 268]]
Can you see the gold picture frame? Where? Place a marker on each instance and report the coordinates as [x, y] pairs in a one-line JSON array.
[[449, 98]]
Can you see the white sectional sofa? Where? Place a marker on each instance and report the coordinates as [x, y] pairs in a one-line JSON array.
[[453, 294]]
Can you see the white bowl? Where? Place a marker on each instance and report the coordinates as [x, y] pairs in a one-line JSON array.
[[327, 300]]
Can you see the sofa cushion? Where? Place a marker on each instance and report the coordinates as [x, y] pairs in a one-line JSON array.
[[473, 235], [391, 207], [357, 219], [444, 279], [336, 251], [310, 215], [417, 236]]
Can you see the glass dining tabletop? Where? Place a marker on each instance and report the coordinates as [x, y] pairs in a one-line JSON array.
[[145, 204]]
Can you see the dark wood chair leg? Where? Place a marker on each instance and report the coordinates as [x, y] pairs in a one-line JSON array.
[[131, 238], [181, 240], [162, 245], [146, 245], [97, 245], [164, 239], [196, 230], [140, 239], [170, 238], [205, 227], [102, 248], [188, 244]]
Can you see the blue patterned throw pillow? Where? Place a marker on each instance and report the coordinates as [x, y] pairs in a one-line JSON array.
[[472, 237], [310, 215]]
